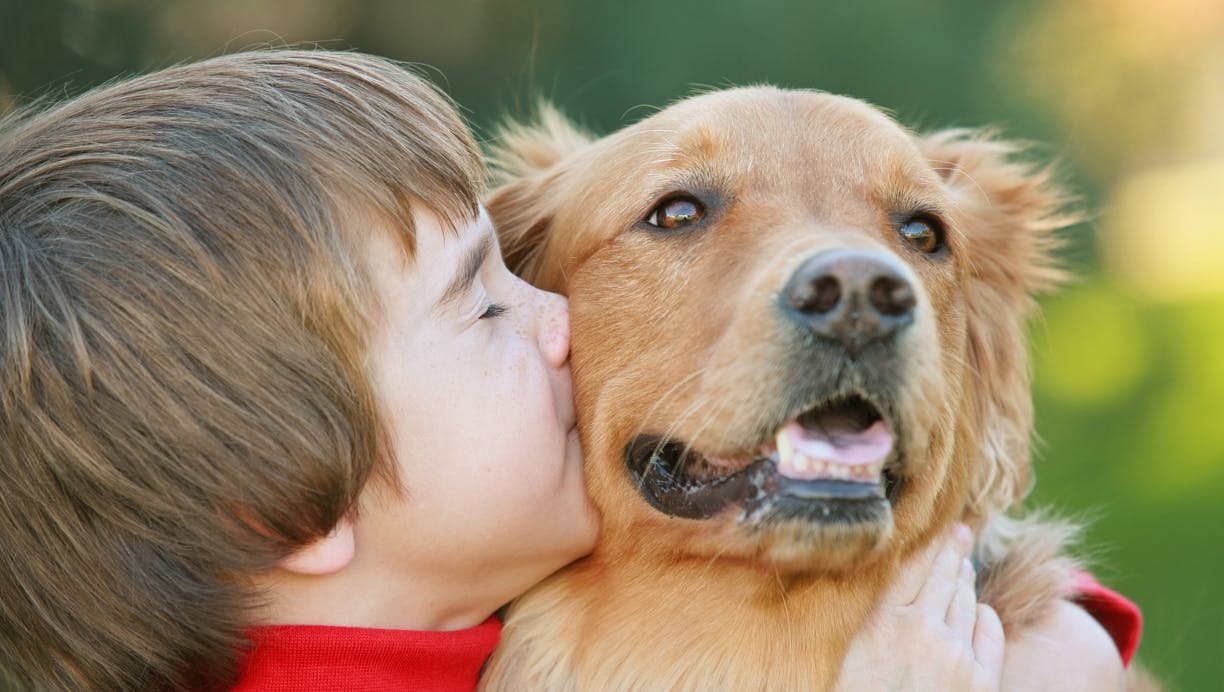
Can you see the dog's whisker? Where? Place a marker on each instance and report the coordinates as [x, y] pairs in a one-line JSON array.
[[665, 396], [688, 447], [690, 410]]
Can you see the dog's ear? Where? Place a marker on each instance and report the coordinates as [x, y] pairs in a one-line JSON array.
[[1008, 212], [527, 164]]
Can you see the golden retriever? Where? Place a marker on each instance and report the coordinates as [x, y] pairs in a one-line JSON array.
[[799, 355]]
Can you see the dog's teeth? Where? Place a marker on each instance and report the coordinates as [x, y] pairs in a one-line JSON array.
[[797, 464], [785, 449]]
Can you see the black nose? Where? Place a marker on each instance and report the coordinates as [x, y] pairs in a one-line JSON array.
[[854, 297]]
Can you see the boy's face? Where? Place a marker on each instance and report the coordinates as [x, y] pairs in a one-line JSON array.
[[471, 369]]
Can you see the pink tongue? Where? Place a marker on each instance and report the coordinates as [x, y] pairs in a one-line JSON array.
[[843, 446]]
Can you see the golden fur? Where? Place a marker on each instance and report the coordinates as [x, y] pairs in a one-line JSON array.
[[674, 332]]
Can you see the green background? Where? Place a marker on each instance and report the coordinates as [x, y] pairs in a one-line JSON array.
[[1128, 95]]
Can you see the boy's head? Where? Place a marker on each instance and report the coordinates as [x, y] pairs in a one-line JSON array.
[[185, 302], [470, 372]]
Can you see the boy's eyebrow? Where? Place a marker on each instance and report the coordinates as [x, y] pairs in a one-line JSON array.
[[469, 266]]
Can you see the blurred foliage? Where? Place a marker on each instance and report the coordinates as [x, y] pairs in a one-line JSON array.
[[1128, 94]]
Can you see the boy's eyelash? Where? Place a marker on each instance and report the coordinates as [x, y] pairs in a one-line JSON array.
[[494, 310]]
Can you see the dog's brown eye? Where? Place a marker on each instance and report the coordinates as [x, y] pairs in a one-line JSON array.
[[676, 212], [923, 233]]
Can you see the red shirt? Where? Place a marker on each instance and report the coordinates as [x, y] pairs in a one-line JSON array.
[[317, 658], [1119, 616]]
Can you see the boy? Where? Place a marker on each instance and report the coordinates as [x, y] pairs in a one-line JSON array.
[[193, 388], [274, 407]]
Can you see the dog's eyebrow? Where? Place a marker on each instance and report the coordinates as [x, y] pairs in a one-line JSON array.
[[469, 266]]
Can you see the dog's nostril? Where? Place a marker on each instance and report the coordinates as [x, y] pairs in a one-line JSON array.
[[853, 297], [818, 296], [892, 296]]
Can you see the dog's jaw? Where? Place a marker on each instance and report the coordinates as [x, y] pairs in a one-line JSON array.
[[793, 514]]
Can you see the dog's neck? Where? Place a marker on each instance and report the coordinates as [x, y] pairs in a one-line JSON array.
[[689, 611]]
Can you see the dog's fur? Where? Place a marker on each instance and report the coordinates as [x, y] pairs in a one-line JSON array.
[[678, 333]]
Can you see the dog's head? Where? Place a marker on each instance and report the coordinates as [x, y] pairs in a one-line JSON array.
[[797, 327]]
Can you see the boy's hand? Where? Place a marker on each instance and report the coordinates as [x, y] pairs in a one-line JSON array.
[[1066, 650], [929, 633]]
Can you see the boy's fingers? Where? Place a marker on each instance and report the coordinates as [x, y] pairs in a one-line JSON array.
[[916, 571], [962, 611], [988, 642], [944, 577]]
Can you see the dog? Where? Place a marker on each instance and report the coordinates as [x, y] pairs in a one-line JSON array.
[[799, 356]]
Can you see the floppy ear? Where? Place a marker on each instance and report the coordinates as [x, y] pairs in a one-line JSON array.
[[1008, 212], [527, 161]]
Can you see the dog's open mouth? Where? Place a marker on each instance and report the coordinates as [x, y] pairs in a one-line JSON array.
[[831, 458]]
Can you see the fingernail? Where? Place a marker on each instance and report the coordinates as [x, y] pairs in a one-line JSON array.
[[963, 534], [967, 570]]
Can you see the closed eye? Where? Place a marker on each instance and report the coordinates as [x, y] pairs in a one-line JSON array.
[[493, 310]]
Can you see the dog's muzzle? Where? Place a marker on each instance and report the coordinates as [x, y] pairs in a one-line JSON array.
[[835, 460]]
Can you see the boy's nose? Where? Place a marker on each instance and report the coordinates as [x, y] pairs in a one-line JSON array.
[[554, 329]]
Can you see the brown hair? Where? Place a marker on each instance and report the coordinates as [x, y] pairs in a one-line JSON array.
[[182, 323]]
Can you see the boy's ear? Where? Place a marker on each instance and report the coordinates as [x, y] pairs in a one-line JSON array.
[[529, 174], [327, 555], [1008, 213]]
